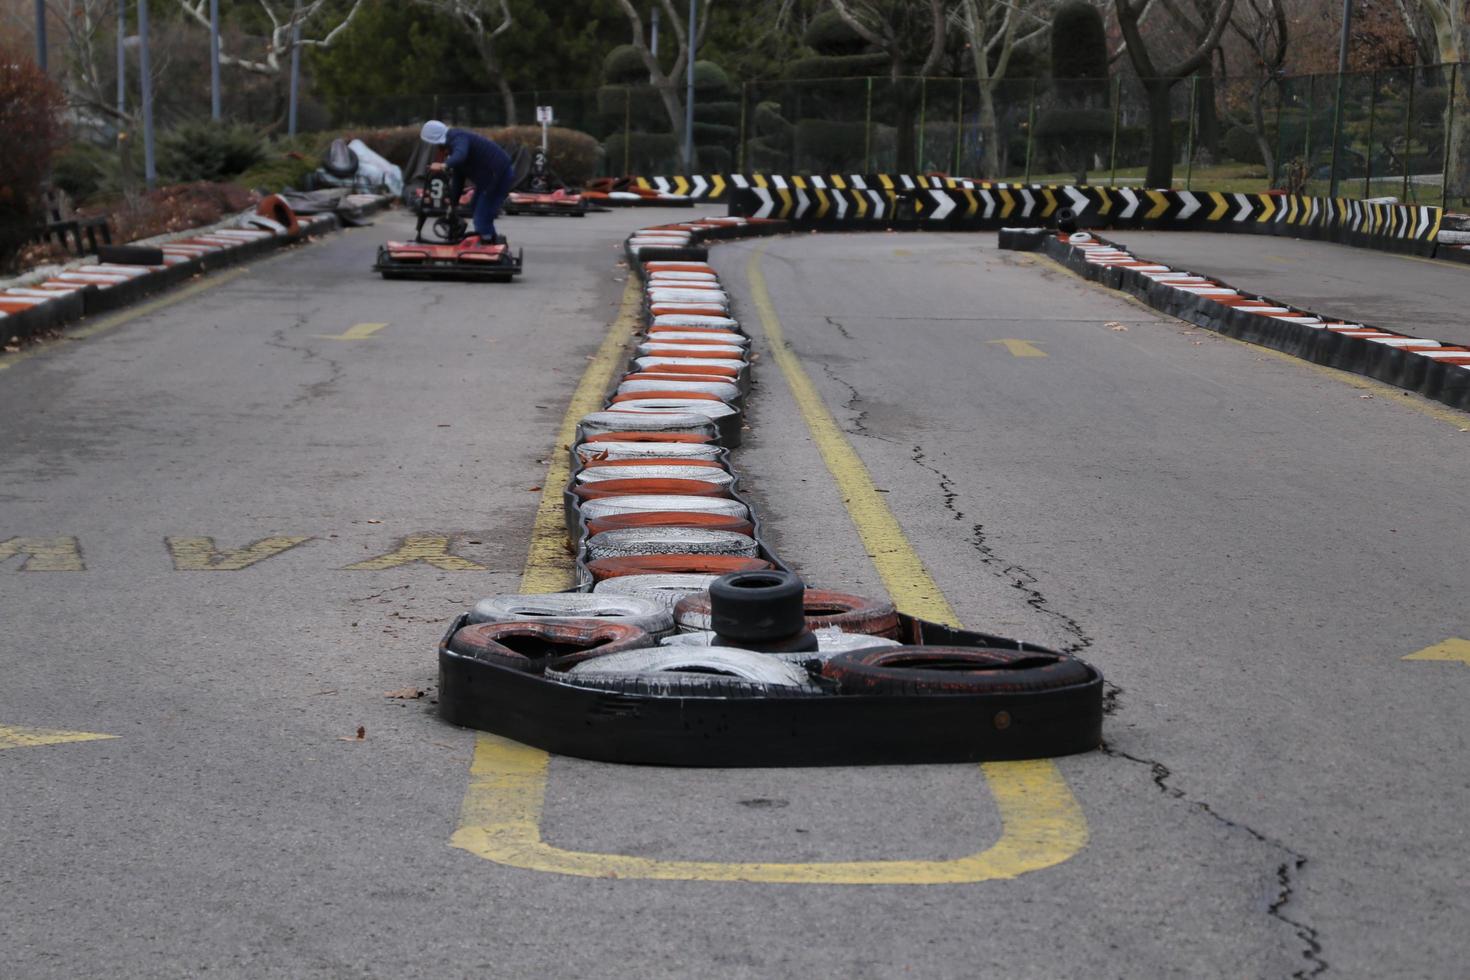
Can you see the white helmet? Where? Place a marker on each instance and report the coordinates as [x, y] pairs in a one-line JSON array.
[[434, 132]]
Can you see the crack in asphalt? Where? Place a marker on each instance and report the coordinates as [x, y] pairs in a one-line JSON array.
[[1286, 871], [1018, 577], [316, 389], [859, 421]]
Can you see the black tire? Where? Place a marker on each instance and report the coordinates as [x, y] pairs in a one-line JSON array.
[[916, 670], [804, 641], [529, 645], [130, 255], [757, 606]]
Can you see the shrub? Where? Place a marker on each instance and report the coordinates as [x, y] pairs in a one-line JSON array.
[[829, 146], [574, 155], [30, 109], [394, 143], [828, 33], [82, 169], [279, 173], [711, 80], [207, 150], [1241, 145], [838, 66], [624, 66]]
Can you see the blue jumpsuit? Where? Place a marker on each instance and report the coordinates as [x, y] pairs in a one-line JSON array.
[[488, 166]]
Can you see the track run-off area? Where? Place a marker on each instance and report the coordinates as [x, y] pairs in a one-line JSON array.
[[235, 520]]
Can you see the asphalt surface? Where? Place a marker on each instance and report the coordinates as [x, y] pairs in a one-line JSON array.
[[1246, 545], [1406, 293]]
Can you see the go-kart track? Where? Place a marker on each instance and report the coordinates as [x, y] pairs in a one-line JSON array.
[[235, 521]]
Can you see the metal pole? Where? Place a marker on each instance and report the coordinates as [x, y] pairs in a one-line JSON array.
[[295, 67], [1449, 133], [868, 131], [1280, 133], [1372, 111], [1030, 127], [1117, 108], [41, 34], [214, 94], [689, 95], [1311, 111], [1189, 141], [959, 123], [1342, 57], [150, 172], [122, 61], [653, 41], [1409, 131]]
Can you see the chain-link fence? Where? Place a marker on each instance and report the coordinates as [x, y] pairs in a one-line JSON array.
[[1405, 132]]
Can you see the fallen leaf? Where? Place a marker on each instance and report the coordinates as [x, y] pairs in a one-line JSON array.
[[536, 488], [359, 737], [1365, 396], [405, 694], [1115, 325]]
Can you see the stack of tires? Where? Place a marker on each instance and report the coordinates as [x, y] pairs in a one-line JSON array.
[[688, 641]]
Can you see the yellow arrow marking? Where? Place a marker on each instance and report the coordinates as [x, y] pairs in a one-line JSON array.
[[45, 554], [201, 555], [681, 185], [1008, 203], [1051, 201], [838, 182], [1106, 197], [886, 181], [24, 738], [1020, 348], [973, 202], [716, 187], [358, 331], [785, 195], [1221, 206], [431, 549], [1452, 650], [1161, 204], [822, 203], [862, 203], [1268, 206], [643, 184]]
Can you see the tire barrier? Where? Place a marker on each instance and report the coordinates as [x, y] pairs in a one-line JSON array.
[[818, 202], [758, 672], [1433, 368]]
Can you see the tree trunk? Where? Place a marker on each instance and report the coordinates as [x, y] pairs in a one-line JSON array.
[[989, 135], [674, 106], [1208, 119], [508, 98], [1258, 123], [1161, 134], [1458, 155]]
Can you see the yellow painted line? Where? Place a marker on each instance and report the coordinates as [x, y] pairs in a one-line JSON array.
[[500, 820], [1020, 348], [1453, 650], [12, 737], [1392, 395], [358, 331], [549, 566], [132, 313]]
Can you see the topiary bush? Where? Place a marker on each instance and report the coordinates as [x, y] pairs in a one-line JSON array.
[[207, 150], [1240, 145], [574, 155], [30, 118], [830, 34], [1079, 53], [624, 66]]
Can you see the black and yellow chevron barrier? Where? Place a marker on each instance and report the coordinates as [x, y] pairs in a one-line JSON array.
[[879, 201], [718, 187]]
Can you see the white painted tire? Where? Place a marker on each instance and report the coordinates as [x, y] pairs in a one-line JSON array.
[[673, 275], [706, 338], [636, 542], [645, 503], [650, 363], [667, 588], [657, 347], [649, 615], [722, 391], [694, 406], [697, 321], [653, 471], [685, 422], [746, 665], [591, 452], [704, 297]]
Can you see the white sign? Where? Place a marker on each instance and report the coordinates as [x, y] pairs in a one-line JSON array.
[[543, 115]]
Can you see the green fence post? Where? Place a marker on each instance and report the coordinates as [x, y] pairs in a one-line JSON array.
[[1372, 111], [1449, 133], [923, 107], [1117, 107], [1030, 125], [627, 131], [744, 103], [1311, 111], [1336, 134], [1409, 132], [959, 123], [1189, 140], [868, 131]]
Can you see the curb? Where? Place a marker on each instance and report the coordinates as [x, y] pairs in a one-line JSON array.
[[212, 251], [1434, 369]]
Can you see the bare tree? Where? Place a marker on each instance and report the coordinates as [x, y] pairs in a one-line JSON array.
[[913, 45], [670, 85], [1158, 80], [1262, 25], [1451, 22], [283, 31], [993, 29], [486, 21]]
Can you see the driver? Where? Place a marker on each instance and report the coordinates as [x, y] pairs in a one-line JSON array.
[[480, 160]]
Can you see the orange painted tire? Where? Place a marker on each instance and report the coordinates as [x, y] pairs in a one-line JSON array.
[[527, 645], [661, 309], [606, 568], [666, 376], [276, 208], [624, 488], [725, 373], [696, 395], [624, 463], [670, 518]]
